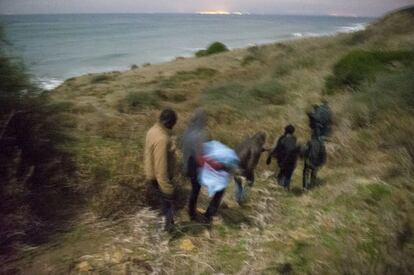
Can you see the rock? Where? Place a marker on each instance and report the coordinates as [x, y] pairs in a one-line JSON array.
[[134, 67], [84, 267], [187, 245]]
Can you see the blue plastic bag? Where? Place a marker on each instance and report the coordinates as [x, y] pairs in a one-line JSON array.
[[217, 180], [221, 153]]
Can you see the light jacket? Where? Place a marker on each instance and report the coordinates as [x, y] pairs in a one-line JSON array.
[[159, 157]]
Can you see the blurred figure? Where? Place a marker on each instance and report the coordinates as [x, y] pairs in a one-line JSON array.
[[325, 118], [193, 140], [314, 123], [249, 152], [159, 160], [320, 119], [314, 158], [286, 152]]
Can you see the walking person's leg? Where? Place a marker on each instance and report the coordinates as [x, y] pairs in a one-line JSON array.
[[214, 205], [192, 204], [238, 188], [288, 177], [314, 176], [195, 188], [167, 210]]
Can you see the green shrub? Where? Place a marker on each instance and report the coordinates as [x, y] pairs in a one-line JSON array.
[[138, 100], [214, 48], [359, 66], [201, 53], [389, 93]]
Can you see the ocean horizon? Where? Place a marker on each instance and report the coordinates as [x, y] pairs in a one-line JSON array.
[[55, 47]]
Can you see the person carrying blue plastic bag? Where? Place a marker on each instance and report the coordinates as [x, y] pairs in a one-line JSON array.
[[216, 165]]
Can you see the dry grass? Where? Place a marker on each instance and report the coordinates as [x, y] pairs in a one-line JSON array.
[[335, 228]]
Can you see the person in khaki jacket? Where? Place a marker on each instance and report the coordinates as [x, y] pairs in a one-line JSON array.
[[159, 158]]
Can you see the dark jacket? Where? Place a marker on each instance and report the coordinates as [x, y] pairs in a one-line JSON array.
[[286, 150], [315, 153]]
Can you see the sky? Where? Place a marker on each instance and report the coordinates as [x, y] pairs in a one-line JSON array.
[[372, 8]]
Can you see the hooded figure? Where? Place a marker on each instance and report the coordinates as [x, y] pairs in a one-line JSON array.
[[314, 158], [286, 153], [249, 152], [193, 139]]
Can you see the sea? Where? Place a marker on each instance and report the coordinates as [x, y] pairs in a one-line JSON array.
[[56, 47]]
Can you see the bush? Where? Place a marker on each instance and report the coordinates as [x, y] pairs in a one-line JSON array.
[[360, 66], [390, 93], [214, 48], [36, 169]]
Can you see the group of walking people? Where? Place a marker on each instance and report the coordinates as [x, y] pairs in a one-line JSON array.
[[210, 163]]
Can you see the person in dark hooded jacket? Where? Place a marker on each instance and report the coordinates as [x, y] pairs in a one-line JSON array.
[[286, 152], [320, 119], [314, 158]]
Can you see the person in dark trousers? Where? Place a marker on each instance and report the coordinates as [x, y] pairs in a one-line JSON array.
[[314, 158], [159, 160], [192, 145], [286, 152], [249, 152]]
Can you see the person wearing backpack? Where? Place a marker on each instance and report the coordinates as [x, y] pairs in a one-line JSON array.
[[314, 159]]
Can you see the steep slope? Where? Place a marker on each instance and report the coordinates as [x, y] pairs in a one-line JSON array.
[[357, 221]]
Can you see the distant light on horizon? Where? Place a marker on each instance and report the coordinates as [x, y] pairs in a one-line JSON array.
[[221, 12]]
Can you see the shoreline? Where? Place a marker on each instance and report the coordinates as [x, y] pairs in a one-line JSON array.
[[49, 84]]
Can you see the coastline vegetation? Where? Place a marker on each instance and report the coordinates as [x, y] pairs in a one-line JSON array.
[[359, 220]]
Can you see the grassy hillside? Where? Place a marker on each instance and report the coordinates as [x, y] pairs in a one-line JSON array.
[[359, 220]]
